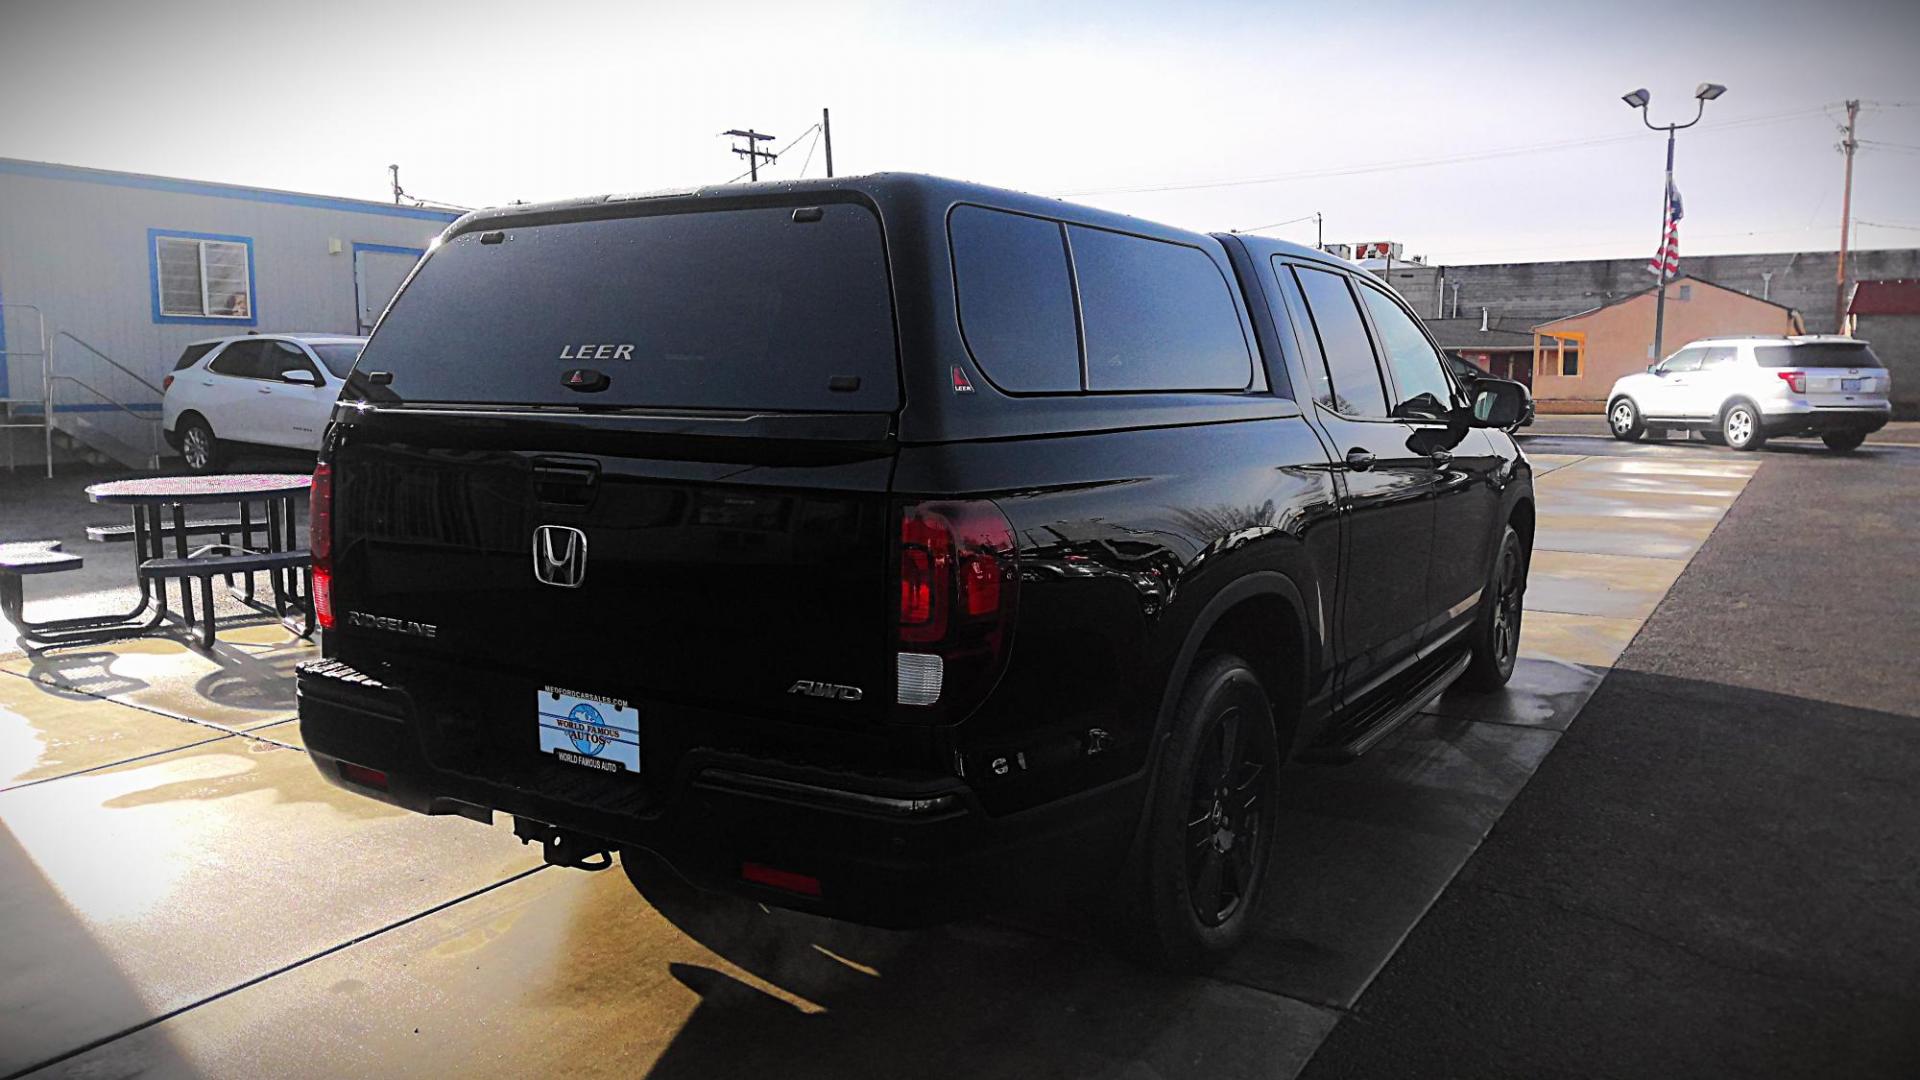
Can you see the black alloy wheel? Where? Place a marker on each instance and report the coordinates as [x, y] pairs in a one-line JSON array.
[[1225, 843], [1496, 639]]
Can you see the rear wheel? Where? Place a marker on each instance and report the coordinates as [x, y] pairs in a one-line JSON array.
[[1740, 427], [1189, 895], [1496, 634], [201, 450], [1843, 441], [1623, 419]]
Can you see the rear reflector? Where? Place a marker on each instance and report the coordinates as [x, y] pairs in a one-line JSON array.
[[918, 676], [784, 880], [365, 777]]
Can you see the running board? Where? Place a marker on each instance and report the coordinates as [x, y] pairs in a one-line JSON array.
[[1424, 692]]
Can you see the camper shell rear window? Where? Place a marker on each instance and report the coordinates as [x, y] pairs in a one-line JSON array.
[[756, 308]]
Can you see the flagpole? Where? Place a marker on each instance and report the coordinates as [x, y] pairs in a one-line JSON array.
[[1660, 275], [1638, 99]]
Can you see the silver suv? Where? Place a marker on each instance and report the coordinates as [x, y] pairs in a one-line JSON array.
[[1742, 391]]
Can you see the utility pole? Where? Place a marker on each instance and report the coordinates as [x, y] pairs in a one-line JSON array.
[[1846, 223], [826, 134], [753, 153], [394, 170]]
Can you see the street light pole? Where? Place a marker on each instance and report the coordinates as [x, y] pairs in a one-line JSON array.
[[1639, 99]]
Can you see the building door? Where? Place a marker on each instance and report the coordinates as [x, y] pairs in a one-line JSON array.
[[378, 270]]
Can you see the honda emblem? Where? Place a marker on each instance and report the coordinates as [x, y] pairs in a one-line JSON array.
[[560, 556]]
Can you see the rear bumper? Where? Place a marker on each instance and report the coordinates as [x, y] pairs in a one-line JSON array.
[[891, 852], [1814, 420]]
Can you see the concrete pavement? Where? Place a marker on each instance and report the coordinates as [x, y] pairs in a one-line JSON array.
[[192, 899]]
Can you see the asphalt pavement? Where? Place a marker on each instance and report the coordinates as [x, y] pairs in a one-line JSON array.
[[1717, 872]]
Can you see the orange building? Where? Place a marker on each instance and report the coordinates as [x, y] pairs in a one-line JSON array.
[[1576, 359]]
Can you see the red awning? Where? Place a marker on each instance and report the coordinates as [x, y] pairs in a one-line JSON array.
[[1898, 297]]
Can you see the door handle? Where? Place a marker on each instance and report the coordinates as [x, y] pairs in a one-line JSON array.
[[1359, 460], [264, 389]]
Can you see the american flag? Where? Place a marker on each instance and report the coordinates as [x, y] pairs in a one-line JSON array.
[[1665, 263]]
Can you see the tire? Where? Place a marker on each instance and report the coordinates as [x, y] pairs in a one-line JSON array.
[[1624, 420], [1740, 427], [1185, 904], [1496, 633], [198, 447], [1843, 441]]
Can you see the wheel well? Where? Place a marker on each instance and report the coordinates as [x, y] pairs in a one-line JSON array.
[[190, 414], [1522, 521], [1738, 399], [1264, 631]]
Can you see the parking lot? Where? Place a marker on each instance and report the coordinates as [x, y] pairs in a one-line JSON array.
[[1714, 684]]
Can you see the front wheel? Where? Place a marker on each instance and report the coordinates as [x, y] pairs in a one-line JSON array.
[[1740, 427], [1844, 441], [1190, 892], [1624, 421], [1496, 634]]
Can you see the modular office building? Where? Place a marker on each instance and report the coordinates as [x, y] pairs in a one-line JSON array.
[[106, 276]]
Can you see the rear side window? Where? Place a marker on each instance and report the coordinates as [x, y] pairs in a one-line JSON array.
[[1158, 316], [192, 354], [1355, 377], [241, 359], [766, 308], [1840, 354], [1016, 299]]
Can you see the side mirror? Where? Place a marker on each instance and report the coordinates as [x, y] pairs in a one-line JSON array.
[[1500, 403], [300, 377], [1654, 369]]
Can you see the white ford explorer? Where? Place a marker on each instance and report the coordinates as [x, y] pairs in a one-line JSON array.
[[1744, 390]]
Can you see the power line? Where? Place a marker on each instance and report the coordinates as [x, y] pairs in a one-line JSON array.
[[1886, 225], [811, 147], [1277, 224], [1427, 162]]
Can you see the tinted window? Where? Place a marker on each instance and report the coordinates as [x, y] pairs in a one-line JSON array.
[[765, 308], [1016, 299], [242, 359], [338, 358], [284, 356], [1847, 354], [1158, 316], [1421, 389], [1685, 360], [1356, 388], [193, 354]]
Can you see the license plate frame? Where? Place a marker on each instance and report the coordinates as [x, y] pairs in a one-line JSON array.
[[1851, 386], [588, 730]]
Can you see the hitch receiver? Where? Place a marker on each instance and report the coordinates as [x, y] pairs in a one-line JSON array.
[[562, 848]]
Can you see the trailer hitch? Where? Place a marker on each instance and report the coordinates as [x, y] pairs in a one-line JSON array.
[[563, 848]]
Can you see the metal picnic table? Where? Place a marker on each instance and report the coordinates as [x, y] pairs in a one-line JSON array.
[[159, 510]]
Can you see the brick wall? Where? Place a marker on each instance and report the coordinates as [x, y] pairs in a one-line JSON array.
[[1896, 341], [1549, 290]]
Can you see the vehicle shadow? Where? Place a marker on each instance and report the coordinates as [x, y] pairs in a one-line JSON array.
[[980, 999]]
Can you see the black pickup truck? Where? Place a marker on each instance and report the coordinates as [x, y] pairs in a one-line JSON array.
[[888, 546]]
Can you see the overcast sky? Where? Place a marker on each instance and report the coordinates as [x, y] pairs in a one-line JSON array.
[[482, 103]]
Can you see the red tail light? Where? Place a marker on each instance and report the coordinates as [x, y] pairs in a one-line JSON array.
[[784, 880], [166, 384], [959, 591], [1796, 380], [320, 542]]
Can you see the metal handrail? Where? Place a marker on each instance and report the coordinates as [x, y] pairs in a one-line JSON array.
[[129, 372], [106, 397]]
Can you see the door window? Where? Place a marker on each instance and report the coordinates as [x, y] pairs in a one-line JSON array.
[[1718, 358], [1421, 389], [285, 356], [1684, 360], [1354, 386], [242, 360]]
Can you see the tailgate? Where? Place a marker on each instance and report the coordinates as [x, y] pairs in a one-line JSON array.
[[636, 565]]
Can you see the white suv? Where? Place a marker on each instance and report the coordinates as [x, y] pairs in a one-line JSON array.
[[273, 390], [1741, 391]]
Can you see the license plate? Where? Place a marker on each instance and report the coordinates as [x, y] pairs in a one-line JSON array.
[[588, 730], [1850, 385]]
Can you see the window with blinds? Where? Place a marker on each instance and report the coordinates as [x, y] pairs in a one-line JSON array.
[[201, 278]]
